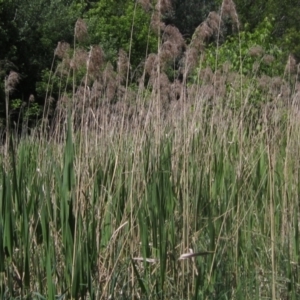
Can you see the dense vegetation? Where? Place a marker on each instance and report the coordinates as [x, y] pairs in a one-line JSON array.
[[30, 31], [162, 160]]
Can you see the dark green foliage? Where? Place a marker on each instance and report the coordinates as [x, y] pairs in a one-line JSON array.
[[243, 50], [285, 16], [187, 15], [29, 32], [121, 25]]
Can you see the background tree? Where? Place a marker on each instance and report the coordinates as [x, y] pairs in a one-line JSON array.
[[285, 19], [112, 23], [188, 14], [29, 32]]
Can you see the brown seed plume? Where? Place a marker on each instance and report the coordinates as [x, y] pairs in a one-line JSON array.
[[96, 60], [62, 49], [163, 6], [12, 81], [228, 10], [256, 51], [146, 4], [81, 32], [79, 60], [123, 65]]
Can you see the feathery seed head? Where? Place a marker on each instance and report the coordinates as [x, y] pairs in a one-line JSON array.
[[31, 98], [168, 51], [62, 49], [277, 82], [226, 67], [146, 4], [264, 82], [12, 81], [206, 75], [268, 59], [191, 56], [79, 60], [151, 63], [163, 6], [156, 22], [228, 10], [109, 75], [255, 66], [96, 59], [256, 51], [173, 43], [172, 34], [214, 21], [81, 32], [176, 90], [50, 100], [291, 65], [203, 32], [123, 65]]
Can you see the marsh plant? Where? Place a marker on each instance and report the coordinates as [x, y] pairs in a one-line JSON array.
[[173, 180]]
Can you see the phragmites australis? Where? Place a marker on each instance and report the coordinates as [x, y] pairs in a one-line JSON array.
[[146, 4], [62, 49], [256, 51], [156, 23], [172, 34], [163, 6], [291, 65], [203, 33], [79, 59], [228, 11], [96, 60], [151, 63], [123, 65], [110, 82], [31, 98], [173, 43], [81, 32], [268, 59], [214, 21], [11, 81]]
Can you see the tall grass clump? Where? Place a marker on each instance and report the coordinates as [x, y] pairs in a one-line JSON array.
[[176, 184]]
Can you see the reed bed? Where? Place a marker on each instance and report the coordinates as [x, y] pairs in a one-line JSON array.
[[195, 209], [165, 190]]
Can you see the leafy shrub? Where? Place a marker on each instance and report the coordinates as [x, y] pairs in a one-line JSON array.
[[248, 52], [112, 26]]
